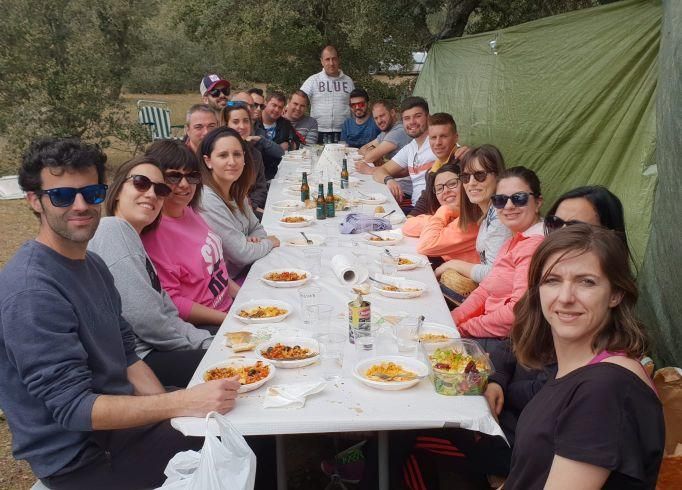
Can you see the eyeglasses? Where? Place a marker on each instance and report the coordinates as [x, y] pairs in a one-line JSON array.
[[239, 103], [217, 91], [450, 184], [480, 176], [173, 177], [358, 105], [63, 197], [553, 223], [142, 183], [518, 199]]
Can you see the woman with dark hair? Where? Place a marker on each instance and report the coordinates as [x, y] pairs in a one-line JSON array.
[[598, 423], [592, 204], [488, 311], [237, 115], [187, 254], [172, 347], [481, 168], [439, 231], [227, 171]]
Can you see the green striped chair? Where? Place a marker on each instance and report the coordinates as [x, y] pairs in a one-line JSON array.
[[156, 116]]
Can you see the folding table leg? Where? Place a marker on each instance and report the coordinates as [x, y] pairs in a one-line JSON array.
[[383, 460], [280, 455]]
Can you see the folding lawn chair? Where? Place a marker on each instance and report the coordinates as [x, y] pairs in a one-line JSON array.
[[156, 116]]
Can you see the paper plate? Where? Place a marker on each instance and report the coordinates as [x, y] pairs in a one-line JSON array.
[[305, 342], [395, 219], [299, 241], [286, 284], [308, 220], [287, 205], [408, 363], [263, 303], [238, 362], [390, 238], [375, 198], [403, 283]]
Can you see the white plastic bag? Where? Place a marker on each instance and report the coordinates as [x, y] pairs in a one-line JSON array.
[[227, 463]]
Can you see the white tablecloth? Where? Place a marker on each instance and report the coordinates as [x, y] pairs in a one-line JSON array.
[[346, 405]]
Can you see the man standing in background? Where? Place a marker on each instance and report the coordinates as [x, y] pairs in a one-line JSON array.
[[329, 93]]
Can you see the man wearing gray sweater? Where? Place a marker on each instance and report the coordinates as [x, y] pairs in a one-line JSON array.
[[80, 403]]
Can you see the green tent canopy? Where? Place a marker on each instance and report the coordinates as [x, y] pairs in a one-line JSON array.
[[573, 97]]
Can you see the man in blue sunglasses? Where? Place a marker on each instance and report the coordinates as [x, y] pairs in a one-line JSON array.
[[81, 405]]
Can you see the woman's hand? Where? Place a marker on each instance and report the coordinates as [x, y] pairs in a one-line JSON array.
[[253, 239], [274, 240], [253, 138], [495, 398], [458, 265]]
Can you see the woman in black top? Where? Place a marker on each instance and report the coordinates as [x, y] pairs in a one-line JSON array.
[[598, 423]]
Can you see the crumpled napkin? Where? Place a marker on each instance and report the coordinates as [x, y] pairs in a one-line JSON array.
[[360, 223], [291, 395]]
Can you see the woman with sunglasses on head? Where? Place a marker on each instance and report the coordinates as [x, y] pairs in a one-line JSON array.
[[228, 172], [439, 231], [187, 254], [488, 311], [481, 168], [170, 346], [237, 116], [597, 423]]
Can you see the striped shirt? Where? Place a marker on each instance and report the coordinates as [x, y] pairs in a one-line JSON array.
[[417, 161], [329, 98]]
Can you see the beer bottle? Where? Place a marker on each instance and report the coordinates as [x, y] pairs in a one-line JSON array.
[[321, 203], [305, 188], [331, 204], [344, 175]]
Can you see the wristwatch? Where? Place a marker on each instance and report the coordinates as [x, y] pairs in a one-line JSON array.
[[387, 178]]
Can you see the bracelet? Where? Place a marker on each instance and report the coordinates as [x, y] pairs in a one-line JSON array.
[[387, 178]]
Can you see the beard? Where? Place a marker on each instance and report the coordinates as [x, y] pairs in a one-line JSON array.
[[59, 224]]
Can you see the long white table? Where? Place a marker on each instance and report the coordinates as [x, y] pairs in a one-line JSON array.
[[346, 405]]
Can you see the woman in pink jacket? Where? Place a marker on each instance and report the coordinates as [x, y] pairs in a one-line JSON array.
[[488, 312]]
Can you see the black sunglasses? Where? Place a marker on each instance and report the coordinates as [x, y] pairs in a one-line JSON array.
[[480, 176], [174, 177], [217, 91], [62, 197], [553, 223], [450, 184], [142, 183], [518, 199], [259, 106]]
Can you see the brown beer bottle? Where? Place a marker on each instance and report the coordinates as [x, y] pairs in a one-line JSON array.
[[321, 212], [305, 188]]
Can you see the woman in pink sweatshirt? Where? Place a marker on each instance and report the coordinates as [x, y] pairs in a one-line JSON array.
[[488, 312], [439, 232]]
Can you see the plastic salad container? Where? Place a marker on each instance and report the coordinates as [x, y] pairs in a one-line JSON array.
[[461, 368]]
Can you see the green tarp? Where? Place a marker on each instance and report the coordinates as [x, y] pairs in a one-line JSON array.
[[574, 98]]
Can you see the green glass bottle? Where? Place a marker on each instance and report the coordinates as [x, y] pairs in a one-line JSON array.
[[321, 203], [305, 188], [331, 204]]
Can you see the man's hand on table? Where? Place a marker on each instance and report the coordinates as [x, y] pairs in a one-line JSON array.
[[395, 189], [363, 168], [213, 396]]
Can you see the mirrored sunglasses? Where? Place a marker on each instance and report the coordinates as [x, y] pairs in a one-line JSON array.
[[62, 197]]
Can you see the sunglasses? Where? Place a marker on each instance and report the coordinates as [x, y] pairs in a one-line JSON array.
[[62, 197], [518, 199], [239, 103], [259, 106], [358, 105], [217, 91], [142, 183], [480, 176], [553, 223], [450, 184], [173, 177]]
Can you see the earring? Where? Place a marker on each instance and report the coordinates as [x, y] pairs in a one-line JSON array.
[[210, 168]]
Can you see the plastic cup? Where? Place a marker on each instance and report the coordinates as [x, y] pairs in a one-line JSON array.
[[309, 296], [331, 231], [364, 342], [319, 317], [313, 259], [331, 354], [406, 333], [389, 265]]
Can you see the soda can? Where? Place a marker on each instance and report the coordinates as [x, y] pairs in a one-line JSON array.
[[359, 316]]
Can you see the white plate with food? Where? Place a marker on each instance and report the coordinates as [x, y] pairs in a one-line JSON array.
[[263, 311], [289, 352], [286, 278], [382, 238], [252, 373], [403, 289], [299, 241], [295, 221], [391, 373], [374, 198], [287, 205], [407, 262]]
